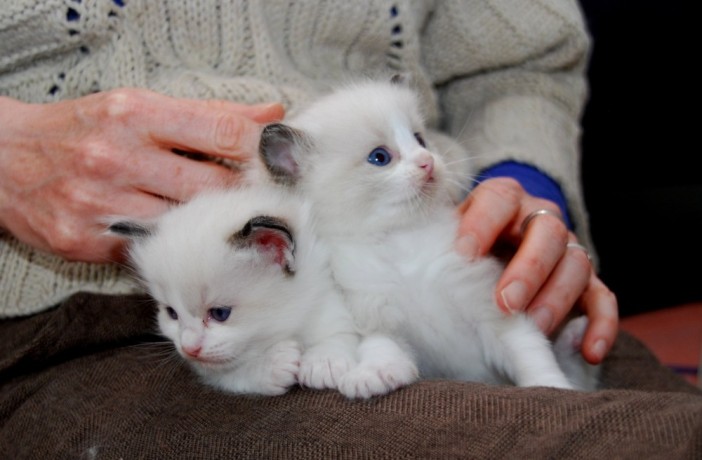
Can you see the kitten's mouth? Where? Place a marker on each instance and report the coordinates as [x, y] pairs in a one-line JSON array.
[[429, 184], [211, 363]]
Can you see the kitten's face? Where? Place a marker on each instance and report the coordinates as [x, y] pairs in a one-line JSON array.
[[213, 318], [222, 275], [367, 159]]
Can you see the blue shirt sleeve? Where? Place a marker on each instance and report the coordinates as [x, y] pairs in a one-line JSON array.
[[533, 180]]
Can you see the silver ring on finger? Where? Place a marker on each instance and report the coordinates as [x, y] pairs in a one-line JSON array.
[[533, 215], [581, 247]]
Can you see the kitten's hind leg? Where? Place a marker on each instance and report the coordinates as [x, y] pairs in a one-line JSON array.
[[383, 367], [582, 374], [526, 354]]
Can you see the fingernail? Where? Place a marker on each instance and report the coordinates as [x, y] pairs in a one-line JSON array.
[[266, 105], [514, 296], [599, 349], [467, 246], [272, 107], [543, 318]]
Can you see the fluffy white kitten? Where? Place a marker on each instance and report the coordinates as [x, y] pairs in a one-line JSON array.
[[244, 290], [383, 205]]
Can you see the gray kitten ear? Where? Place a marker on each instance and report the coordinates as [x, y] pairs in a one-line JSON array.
[[279, 152], [130, 229], [271, 237]]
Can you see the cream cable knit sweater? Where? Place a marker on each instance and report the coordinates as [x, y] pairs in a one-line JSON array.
[[504, 77]]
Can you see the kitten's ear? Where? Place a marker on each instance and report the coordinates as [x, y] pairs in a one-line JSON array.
[[279, 149], [130, 229], [272, 239]]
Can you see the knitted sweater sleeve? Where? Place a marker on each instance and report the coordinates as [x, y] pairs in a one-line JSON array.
[[511, 84]]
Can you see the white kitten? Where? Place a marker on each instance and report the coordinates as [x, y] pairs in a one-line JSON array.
[[244, 290], [384, 207]]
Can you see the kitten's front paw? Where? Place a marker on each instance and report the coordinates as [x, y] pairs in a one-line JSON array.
[[322, 367], [281, 368], [375, 379]]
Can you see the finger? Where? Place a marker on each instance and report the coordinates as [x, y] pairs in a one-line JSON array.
[[77, 230], [484, 215], [108, 247], [100, 248], [217, 133], [90, 241], [260, 113], [174, 177], [566, 284], [137, 206], [217, 128], [536, 258], [602, 310]]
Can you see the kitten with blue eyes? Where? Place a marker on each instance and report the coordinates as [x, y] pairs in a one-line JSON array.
[[385, 207], [244, 290]]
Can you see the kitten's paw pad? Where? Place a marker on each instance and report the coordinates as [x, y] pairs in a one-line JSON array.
[[321, 368], [282, 368], [365, 381]]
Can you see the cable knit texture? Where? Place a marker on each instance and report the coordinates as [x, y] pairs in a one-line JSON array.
[[487, 79]]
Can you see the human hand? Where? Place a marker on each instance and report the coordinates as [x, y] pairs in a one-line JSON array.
[[545, 277], [66, 166]]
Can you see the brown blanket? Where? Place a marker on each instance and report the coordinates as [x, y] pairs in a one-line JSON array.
[[90, 380]]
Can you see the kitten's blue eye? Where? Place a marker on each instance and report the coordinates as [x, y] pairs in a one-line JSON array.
[[420, 139], [220, 314], [171, 312], [379, 157]]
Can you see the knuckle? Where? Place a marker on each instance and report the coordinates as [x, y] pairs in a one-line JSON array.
[[507, 187], [121, 103], [536, 266], [65, 240], [96, 157], [555, 229], [229, 132], [609, 298], [603, 302], [72, 193]]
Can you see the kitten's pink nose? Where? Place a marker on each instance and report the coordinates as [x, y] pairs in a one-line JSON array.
[[426, 162], [192, 351]]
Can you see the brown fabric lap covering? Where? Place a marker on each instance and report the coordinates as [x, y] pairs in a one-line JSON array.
[[90, 380]]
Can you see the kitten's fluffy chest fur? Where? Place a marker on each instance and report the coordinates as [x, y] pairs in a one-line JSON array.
[[411, 283]]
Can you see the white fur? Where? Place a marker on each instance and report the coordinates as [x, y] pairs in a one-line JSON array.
[[391, 231], [283, 328]]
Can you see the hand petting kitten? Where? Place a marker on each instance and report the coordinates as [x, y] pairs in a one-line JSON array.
[[64, 166]]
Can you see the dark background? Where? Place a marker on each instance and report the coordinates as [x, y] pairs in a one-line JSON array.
[[641, 132]]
